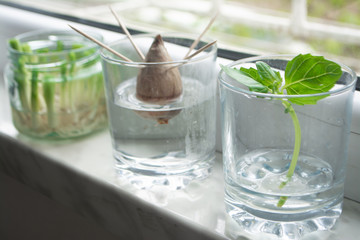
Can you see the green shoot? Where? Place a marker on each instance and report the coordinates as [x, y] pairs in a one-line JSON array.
[[63, 97], [21, 77], [77, 46], [34, 98], [60, 46], [72, 90], [72, 59], [26, 48], [43, 50], [21, 74], [55, 88], [49, 95], [304, 75], [15, 44]]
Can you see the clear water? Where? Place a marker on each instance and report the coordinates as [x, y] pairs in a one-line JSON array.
[[314, 197], [262, 171], [178, 151]]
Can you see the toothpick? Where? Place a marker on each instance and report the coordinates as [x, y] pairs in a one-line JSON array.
[[201, 49], [122, 25], [101, 44], [194, 54], [201, 35]]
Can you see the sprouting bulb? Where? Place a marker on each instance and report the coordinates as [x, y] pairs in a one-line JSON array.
[[158, 83]]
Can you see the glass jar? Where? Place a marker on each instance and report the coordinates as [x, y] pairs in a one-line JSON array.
[[55, 84]]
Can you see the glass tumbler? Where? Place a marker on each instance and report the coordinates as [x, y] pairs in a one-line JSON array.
[[259, 136], [161, 136], [55, 84]]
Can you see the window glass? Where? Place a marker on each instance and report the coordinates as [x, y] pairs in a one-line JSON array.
[[344, 11], [344, 14], [276, 5], [325, 27]]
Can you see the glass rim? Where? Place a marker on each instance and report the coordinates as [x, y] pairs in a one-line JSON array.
[[174, 63], [88, 46], [288, 96]]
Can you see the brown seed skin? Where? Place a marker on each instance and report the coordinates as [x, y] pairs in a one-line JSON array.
[[162, 117], [158, 84]]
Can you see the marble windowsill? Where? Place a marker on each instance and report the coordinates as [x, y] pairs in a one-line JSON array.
[[79, 174]]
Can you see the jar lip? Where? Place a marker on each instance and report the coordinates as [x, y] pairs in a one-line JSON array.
[[226, 83], [54, 35], [212, 50]]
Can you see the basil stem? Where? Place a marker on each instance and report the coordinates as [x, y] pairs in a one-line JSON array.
[[289, 109]]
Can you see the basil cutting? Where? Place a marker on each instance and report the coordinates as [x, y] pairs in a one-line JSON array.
[[304, 75]]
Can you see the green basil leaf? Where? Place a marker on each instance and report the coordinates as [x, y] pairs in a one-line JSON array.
[[307, 74], [245, 79], [269, 77], [252, 73]]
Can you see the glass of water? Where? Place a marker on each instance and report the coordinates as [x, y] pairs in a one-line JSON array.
[[258, 146], [161, 136]]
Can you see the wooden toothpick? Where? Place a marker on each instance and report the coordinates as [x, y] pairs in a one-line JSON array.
[[193, 55], [101, 44], [122, 25], [201, 35], [201, 49]]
